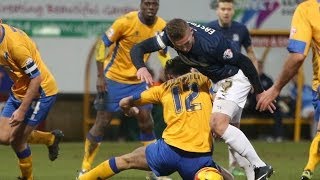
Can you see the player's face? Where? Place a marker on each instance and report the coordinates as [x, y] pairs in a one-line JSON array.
[[185, 44], [149, 9], [225, 12]]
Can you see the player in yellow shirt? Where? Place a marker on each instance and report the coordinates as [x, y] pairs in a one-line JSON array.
[[186, 144], [32, 95], [305, 33], [117, 75]]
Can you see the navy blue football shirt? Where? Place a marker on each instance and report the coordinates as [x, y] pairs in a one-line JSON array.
[[236, 32], [212, 54]]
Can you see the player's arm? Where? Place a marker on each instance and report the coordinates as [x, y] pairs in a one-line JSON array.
[[298, 47], [249, 48], [126, 105], [153, 44], [291, 66], [113, 34], [22, 58], [252, 56], [100, 54], [248, 69], [149, 96]]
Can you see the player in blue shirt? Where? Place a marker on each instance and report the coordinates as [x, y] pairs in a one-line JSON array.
[[209, 52], [232, 30], [239, 35]]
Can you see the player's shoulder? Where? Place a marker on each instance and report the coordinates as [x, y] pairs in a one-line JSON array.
[[213, 24], [13, 39], [130, 16], [5, 26], [202, 28], [308, 9], [307, 3], [161, 21], [236, 24], [305, 6]]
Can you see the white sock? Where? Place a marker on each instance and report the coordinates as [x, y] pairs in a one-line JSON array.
[[236, 139], [232, 160], [245, 164]]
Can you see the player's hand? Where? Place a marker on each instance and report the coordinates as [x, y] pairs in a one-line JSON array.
[[144, 75], [193, 70], [130, 111], [101, 84], [127, 107], [266, 100], [133, 111], [16, 118]]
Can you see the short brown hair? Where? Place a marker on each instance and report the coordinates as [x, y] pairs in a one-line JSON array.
[[176, 29], [215, 3]]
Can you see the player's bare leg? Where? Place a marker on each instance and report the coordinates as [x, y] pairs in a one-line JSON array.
[[18, 141], [50, 139], [146, 125], [94, 138], [112, 166], [5, 131]]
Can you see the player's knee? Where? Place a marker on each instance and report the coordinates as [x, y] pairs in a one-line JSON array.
[[14, 141], [5, 130], [4, 139], [218, 124], [102, 121], [103, 116]]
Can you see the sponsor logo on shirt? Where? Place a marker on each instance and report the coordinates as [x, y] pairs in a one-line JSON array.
[[227, 54], [235, 37], [292, 32]]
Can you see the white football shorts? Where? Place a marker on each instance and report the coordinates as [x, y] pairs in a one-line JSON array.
[[232, 95]]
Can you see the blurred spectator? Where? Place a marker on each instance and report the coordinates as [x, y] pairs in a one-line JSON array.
[[307, 109], [250, 108]]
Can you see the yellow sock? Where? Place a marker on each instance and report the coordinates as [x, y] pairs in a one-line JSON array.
[[145, 143], [39, 137], [25, 164], [90, 151], [102, 171], [314, 157]]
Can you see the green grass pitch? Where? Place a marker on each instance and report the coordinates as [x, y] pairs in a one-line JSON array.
[[287, 158]]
